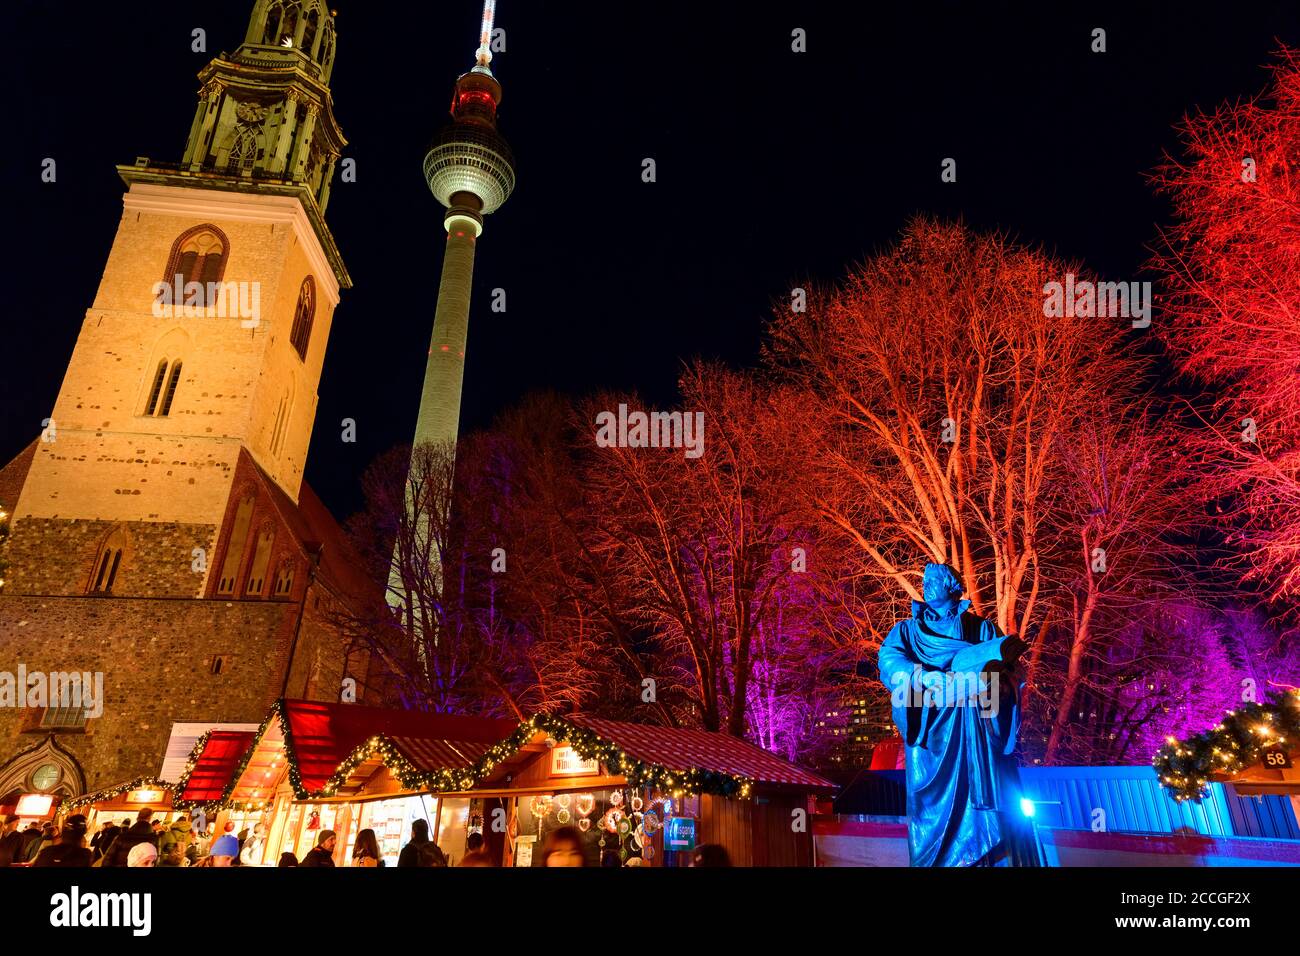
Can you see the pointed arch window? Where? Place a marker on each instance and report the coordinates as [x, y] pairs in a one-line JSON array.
[[235, 547], [271, 35], [161, 375], [108, 564], [243, 151], [261, 560], [173, 379], [155, 390], [284, 580], [198, 255], [303, 314]]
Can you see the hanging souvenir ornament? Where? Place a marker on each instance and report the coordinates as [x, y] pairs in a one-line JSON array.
[[539, 805], [563, 800], [624, 827], [616, 798], [637, 803], [562, 815], [584, 824], [639, 838], [648, 852], [612, 819], [650, 822], [585, 803]]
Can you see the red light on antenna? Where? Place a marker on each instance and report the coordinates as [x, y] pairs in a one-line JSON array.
[[446, 348]]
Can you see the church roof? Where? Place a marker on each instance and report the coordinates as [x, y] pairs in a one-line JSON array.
[[319, 535]]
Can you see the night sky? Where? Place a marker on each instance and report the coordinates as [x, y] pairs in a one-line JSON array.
[[772, 167]]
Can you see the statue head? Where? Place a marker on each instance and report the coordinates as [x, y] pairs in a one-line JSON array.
[[941, 588]]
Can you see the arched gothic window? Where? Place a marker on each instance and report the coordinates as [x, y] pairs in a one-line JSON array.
[[303, 314], [198, 255], [108, 563], [243, 151], [173, 379], [284, 580], [235, 547], [261, 560]]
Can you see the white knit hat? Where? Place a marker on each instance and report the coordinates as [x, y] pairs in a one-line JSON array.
[[142, 854]]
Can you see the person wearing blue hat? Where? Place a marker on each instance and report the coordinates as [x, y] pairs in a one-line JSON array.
[[224, 849]]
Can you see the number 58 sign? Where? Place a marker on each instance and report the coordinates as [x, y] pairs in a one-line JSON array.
[[1276, 759]]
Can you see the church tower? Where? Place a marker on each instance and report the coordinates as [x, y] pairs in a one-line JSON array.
[[207, 335], [162, 535]]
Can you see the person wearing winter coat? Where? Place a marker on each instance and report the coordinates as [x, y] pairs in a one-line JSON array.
[[31, 844], [250, 851], [323, 853], [140, 832], [178, 833], [71, 849], [421, 851], [11, 841]]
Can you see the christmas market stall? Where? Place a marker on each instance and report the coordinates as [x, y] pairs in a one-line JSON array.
[[280, 779], [637, 794]]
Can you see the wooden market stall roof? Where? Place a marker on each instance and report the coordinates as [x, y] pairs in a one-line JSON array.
[[309, 740], [669, 758], [211, 766], [333, 751], [677, 748]]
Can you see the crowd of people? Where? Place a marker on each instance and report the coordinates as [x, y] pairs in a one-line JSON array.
[[149, 842]]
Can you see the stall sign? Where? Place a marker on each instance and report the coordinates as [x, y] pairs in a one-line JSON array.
[[144, 796], [565, 762], [679, 833], [34, 805], [1276, 758]]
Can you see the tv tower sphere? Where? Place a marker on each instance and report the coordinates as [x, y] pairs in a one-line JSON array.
[[469, 167]]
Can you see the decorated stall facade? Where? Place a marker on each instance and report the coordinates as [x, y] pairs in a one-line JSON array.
[[638, 794]]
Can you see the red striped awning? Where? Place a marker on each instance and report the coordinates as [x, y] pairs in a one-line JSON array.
[[216, 765], [432, 753]]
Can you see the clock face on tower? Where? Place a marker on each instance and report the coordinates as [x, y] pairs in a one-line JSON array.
[[45, 777]]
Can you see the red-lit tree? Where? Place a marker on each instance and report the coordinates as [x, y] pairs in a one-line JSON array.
[[960, 424], [1231, 314]]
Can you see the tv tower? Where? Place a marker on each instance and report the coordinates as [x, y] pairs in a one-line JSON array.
[[470, 170]]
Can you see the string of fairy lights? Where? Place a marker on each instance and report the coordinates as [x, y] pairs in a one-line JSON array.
[[586, 743], [112, 793], [1239, 741]]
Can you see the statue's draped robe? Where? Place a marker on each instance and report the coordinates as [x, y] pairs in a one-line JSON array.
[[963, 788]]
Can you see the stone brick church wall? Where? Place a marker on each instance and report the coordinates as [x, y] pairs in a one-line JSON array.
[[157, 659], [50, 556]]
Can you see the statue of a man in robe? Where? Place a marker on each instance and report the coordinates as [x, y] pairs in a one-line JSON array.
[[956, 702]]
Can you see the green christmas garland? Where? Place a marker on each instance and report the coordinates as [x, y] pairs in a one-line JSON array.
[[1239, 742], [586, 743], [109, 793]]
